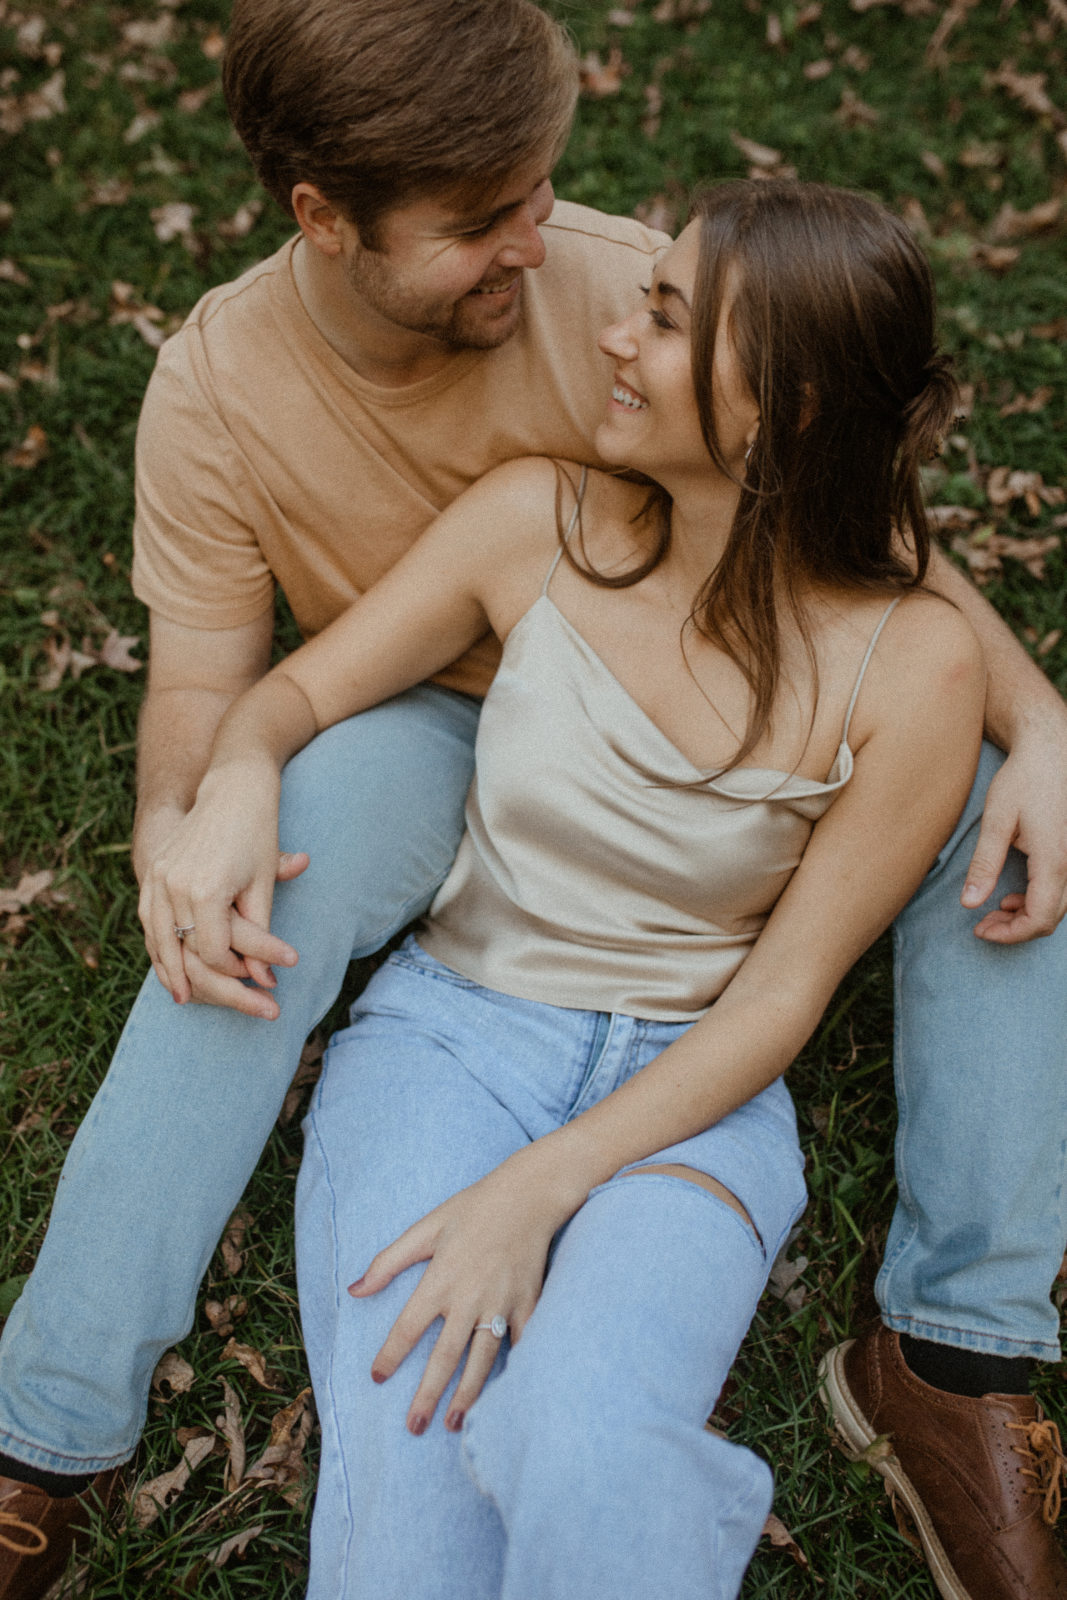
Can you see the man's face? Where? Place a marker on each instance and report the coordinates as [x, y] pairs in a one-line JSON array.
[[454, 272]]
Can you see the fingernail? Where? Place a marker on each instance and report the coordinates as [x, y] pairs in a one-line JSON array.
[[418, 1425], [379, 1377], [454, 1421], [354, 1287]]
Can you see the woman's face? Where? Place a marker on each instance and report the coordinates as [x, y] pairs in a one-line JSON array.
[[652, 422]]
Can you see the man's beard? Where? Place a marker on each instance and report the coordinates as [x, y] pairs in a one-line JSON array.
[[456, 324]]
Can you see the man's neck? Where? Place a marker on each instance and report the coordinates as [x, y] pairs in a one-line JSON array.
[[373, 347]]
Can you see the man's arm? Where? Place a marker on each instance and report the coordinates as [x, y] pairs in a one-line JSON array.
[[194, 675], [1027, 801]]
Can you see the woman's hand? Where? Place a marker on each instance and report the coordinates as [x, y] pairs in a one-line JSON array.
[[215, 876], [487, 1248]]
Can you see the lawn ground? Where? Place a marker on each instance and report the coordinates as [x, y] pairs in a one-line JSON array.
[[123, 195]]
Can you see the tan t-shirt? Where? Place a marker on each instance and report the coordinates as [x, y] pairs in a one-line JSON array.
[[262, 457]]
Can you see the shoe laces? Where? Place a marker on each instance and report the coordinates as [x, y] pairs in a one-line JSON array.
[[8, 1520], [1046, 1460]]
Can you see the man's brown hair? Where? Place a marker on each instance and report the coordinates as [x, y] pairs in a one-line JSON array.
[[381, 102]]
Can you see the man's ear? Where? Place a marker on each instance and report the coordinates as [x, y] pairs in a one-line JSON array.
[[320, 222]]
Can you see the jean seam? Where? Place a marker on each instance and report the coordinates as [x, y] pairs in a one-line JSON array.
[[342, 1454], [603, 1033], [455, 980]]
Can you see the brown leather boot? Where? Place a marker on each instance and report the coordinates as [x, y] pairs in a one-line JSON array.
[[980, 1478], [38, 1533]]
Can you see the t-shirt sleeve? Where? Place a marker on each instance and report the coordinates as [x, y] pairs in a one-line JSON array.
[[197, 560]]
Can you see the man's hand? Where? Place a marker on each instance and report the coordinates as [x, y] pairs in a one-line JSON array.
[[1026, 807]]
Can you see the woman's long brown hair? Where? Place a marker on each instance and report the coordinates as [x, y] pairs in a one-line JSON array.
[[833, 324]]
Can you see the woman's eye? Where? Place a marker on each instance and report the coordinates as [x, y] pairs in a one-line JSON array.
[[655, 316]]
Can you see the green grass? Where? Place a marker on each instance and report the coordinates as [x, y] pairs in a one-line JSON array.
[[66, 754]]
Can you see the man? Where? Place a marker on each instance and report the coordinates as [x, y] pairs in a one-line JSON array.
[[436, 316]]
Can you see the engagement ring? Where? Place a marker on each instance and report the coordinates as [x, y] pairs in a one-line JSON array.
[[498, 1327]]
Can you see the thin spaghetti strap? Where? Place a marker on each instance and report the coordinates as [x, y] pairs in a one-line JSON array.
[[886, 614], [572, 524]]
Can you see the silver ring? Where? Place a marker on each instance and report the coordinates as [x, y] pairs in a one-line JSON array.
[[498, 1327], [179, 933]]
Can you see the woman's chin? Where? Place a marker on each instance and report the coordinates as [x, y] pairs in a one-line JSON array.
[[609, 447]]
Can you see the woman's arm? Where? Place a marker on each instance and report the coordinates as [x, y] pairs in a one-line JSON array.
[[916, 735], [476, 567]]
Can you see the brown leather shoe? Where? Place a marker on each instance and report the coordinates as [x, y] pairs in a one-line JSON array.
[[38, 1533], [980, 1478]]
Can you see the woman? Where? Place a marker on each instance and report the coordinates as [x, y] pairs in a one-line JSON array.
[[729, 733]]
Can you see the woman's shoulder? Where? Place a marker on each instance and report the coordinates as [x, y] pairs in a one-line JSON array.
[[926, 632], [927, 663]]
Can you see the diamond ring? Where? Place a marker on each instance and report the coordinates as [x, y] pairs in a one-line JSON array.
[[179, 933], [497, 1326]]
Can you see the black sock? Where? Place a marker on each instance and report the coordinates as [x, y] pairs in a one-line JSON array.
[[967, 1372], [58, 1484]]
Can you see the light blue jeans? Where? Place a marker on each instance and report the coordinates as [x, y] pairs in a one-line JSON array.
[[177, 1127], [585, 1469]]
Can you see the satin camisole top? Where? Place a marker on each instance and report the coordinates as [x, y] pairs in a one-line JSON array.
[[600, 869]]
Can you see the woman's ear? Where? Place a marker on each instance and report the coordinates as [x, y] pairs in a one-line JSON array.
[[320, 222]]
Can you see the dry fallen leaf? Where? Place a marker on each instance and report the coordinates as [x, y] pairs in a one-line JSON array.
[[814, 71], [31, 451], [760, 155], [142, 123], [172, 1376], [854, 112], [115, 652], [26, 891], [222, 1315], [1028, 88], [236, 1544], [161, 1492], [1012, 224], [253, 1361], [282, 1462], [681, 10], [214, 44], [231, 1245], [193, 100], [776, 1531], [996, 257], [127, 306], [600, 78], [150, 34], [782, 1280], [307, 1073], [945, 518], [173, 221], [232, 1430], [1005, 485], [1028, 404], [985, 548], [10, 272], [242, 222], [110, 192]]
